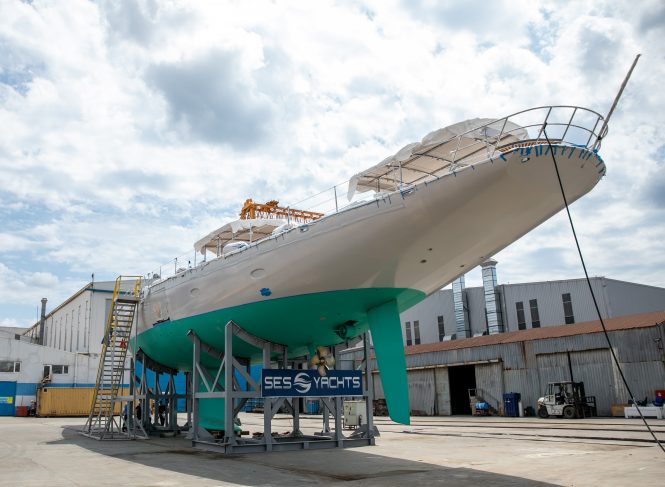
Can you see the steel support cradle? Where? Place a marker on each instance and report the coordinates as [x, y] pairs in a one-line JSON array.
[[222, 384]]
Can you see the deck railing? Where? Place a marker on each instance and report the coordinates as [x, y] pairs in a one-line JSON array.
[[565, 124]]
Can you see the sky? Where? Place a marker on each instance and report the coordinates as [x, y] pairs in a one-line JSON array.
[[130, 129]]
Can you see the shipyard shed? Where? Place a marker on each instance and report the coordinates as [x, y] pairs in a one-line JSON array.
[[441, 374], [27, 367]]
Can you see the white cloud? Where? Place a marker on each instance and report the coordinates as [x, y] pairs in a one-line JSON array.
[[27, 288], [12, 322], [41, 279], [133, 128], [9, 242], [210, 99]]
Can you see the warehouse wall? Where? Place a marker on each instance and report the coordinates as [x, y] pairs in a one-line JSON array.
[[642, 358], [615, 298], [78, 325], [489, 383], [68, 328], [427, 312], [422, 393], [527, 367], [475, 299], [442, 386], [550, 303], [627, 298]]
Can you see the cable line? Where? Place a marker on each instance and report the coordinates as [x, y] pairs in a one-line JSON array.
[[593, 295]]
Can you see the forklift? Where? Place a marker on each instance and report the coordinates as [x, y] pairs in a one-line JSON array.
[[566, 399]]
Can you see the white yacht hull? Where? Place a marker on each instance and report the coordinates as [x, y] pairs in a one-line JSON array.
[[420, 238]]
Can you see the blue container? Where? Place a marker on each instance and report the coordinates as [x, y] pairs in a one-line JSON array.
[[312, 406], [511, 402]]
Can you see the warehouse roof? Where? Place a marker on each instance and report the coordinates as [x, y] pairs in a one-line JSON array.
[[642, 320]]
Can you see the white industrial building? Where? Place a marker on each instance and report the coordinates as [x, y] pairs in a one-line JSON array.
[[61, 350], [25, 365], [77, 325]]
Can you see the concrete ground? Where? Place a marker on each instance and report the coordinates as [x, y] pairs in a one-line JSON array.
[[456, 451]]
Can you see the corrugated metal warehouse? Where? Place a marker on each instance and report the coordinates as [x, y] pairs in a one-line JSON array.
[[440, 374]]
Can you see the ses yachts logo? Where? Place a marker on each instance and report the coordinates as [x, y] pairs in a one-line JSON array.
[[290, 383], [302, 383]]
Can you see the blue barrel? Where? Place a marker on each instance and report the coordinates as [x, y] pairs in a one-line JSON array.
[[511, 402], [312, 406]]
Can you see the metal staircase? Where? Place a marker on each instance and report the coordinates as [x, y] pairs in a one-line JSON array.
[[106, 411]]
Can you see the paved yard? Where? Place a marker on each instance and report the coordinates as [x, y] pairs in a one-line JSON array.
[[460, 451]]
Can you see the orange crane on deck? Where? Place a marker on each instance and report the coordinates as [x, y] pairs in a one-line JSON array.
[[271, 209]]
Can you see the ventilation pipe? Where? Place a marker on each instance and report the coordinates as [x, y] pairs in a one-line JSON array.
[[42, 321], [461, 310], [492, 301]]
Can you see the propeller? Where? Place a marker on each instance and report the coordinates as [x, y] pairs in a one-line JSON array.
[[322, 360]]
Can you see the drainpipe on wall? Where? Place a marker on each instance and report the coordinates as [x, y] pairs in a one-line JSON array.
[[42, 321]]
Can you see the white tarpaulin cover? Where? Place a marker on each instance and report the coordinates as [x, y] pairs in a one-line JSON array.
[[238, 231], [464, 143]]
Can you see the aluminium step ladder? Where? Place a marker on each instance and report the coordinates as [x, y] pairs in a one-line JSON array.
[[105, 420]]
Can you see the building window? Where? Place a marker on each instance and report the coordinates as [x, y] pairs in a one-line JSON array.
[[10, 366], [568, 309], [56, 369], [521, 320], [535, 317], [408, 333], [442, 331], [416, 332], [60, 369]]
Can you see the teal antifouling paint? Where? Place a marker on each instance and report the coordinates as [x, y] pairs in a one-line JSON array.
[[386, 331]]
